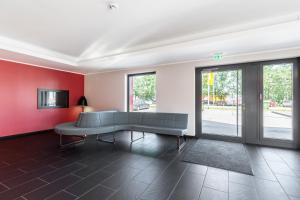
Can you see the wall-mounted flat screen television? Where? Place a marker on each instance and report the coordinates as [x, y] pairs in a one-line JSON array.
[[48, 98]]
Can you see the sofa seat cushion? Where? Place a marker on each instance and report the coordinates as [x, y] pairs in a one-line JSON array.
[[123, 127], [69, 128], [101, 130], [159, 130]]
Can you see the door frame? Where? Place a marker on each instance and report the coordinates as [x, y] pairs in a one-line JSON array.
[[295, 144], [198, 103], [295, 112]]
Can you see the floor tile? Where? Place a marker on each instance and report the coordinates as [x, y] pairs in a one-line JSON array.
[[216, 179], [280, 168], [263, 172], [243, 179], [149, 169], [97, 193], [211, 194], [22, 189], [41, 163], [62, 195], [62, 172], [9, 173], [294, 198], [91, 168], [3, 188], [269, 190], [297, 173], [199, 169], [87, 183], [155, 169], [161, 187], [290, 157], [124, 162], [242, 192], [270, 155], [2, 164], [120, 178], [129, 191], [291, 185], [20, 198], [51, 188], [189, 187], [28, 176]]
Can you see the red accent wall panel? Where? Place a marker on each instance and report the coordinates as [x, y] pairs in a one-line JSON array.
[[18, 97]]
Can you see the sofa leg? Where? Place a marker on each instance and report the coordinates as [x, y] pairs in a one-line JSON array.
[[63, 145], [180, 144], [99, 138], [133, 140]]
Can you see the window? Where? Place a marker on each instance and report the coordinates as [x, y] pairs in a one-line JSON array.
[[141, 92]]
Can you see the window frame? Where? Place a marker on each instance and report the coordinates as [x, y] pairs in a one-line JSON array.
[[128, 84]]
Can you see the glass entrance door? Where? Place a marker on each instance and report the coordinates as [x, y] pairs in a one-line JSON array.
[[221, 97], [277, 101]]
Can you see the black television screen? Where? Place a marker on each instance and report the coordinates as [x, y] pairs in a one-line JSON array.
[[53, 98]]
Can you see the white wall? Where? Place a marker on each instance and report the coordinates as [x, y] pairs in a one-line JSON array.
[[175, 84], [176, 91]]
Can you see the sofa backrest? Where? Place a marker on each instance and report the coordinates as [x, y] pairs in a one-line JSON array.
[[158, 119], [121, 118], [168, 120], [109, 118], [88, 120], [135, 118]]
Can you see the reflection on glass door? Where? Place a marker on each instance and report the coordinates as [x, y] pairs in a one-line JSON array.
[[277, 101], [221, 102]]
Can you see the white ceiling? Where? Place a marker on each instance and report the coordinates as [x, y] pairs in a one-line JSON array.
[[84, 36]]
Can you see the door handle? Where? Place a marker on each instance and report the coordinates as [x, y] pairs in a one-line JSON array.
[[260, 96], [243, 106]]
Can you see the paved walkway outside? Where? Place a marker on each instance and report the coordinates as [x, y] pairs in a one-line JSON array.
[[223, 122]]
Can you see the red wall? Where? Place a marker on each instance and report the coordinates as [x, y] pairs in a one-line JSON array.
[[18, 97]]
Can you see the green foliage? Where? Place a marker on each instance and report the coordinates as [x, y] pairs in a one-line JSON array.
[[278, 83], [225, 84], [277, 80], [144, 87]]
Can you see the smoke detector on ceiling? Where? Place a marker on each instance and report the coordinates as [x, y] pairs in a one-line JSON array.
[[113, 6]]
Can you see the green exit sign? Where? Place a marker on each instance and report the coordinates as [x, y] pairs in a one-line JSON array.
[[218, 56]]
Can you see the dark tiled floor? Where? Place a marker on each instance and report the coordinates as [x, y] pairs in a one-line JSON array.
[[34, 168]]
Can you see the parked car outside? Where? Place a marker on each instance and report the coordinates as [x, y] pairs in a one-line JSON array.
[[140, 105], [287, 103]]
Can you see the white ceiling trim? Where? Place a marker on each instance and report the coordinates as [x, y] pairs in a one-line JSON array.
[[77, 63], [40, 66], [230, 59], [84, 57], [11, 45], [295, 21]]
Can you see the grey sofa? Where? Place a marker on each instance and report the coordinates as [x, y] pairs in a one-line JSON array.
[[100, 123]]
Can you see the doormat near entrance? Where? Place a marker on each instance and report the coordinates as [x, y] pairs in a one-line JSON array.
[[225, 155]]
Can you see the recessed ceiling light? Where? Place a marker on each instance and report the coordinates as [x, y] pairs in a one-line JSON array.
[[113, 6]]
